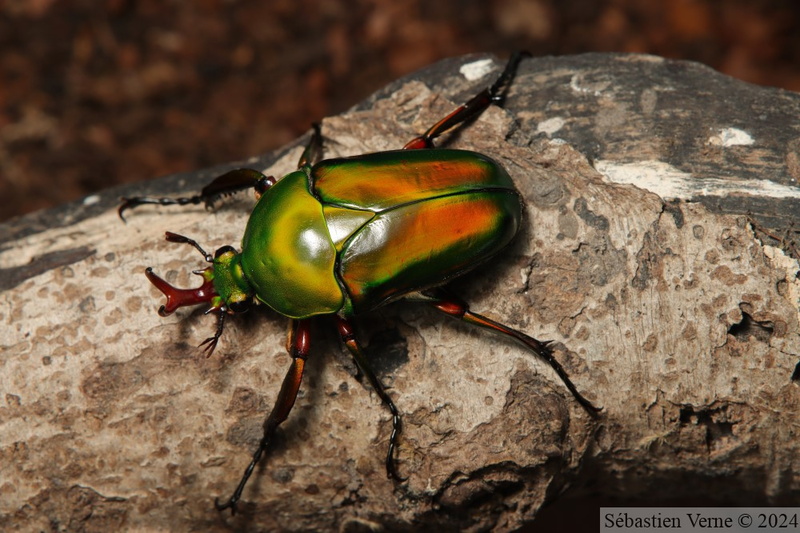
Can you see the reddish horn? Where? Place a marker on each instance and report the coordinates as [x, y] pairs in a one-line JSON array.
[[182, 297]]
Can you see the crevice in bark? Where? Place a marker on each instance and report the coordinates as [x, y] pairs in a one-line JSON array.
[[748, 327]]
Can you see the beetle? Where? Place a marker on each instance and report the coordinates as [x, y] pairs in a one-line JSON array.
[[342, 237]]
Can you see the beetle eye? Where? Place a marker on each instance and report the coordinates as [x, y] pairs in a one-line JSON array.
[[264, 183], [239, 306], [223, 250]]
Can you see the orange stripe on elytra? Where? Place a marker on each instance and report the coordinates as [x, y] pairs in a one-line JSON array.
[[455, 227], [397, 183]]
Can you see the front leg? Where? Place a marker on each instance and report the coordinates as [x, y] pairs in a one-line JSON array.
[[229, 183]]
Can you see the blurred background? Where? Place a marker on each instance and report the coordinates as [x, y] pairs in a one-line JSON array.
[[98, 93]]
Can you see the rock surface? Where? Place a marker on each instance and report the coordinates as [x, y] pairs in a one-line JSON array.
[[637, 257]]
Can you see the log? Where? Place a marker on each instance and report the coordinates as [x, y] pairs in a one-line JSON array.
[[656, 252]]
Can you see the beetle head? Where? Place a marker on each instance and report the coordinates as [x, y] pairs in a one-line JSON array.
[[224, 287], [229, 280]]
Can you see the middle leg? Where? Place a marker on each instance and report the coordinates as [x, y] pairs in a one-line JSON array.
[[299, 342]]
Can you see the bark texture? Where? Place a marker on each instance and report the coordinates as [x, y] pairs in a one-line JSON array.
[[636, 257]]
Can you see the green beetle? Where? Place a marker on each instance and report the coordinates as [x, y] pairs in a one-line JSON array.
[[342, 237]]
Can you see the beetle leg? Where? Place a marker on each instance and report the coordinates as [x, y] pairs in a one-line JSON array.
[[313, 151], [460, 310], [348, 337], [210, 344], [229, 183], [474, 107], [283, 405]]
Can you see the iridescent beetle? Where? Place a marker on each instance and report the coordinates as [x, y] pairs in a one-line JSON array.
[[341, 237]]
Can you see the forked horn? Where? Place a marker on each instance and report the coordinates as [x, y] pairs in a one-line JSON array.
[[176, 297]]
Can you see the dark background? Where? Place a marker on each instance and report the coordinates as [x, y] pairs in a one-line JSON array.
[[96, 93]]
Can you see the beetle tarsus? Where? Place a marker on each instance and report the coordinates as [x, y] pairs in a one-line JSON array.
[[233, 501], [391, 466], [505, 78], [494, 94], [210, 344], [130, 203], [230, 504]]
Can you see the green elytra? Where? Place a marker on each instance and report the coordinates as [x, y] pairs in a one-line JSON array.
[[320, 242], [341, 237]]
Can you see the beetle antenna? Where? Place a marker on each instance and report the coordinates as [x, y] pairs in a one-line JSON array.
[[174, 237]]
